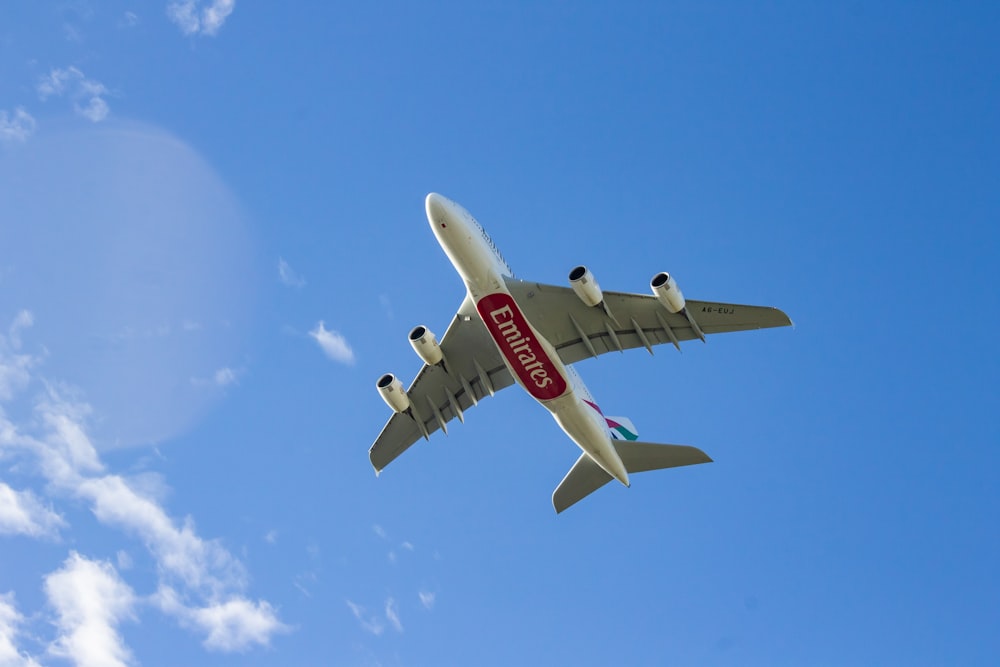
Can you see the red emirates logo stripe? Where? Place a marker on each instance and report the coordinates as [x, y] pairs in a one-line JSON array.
[[516, 341]]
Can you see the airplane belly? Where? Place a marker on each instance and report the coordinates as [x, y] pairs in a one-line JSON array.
[[576, 419], [531, 359]]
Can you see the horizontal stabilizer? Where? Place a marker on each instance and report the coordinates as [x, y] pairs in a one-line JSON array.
[[583, 478], [586, 476], [643, 456]]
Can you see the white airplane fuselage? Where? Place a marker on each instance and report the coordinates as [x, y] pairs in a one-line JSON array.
[[531, 359]]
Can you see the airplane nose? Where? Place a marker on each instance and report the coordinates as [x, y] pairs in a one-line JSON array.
[[437, 208]]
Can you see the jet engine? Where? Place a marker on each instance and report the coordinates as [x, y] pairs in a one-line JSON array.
[[392, 392], [666, 290], [585, 285], [425, 345]]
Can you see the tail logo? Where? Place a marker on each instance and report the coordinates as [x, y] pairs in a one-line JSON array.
[[621, 428]]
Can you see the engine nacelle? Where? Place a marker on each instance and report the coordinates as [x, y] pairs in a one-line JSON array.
[[666, 290], [585, 285], [392, 392], [425, 345]]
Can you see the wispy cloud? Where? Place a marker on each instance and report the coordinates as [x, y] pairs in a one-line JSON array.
[[15, 368], [23, 320], [10, 627], [86, 94], [233, 625], [17, 126], [21, 513], [200, 583], [223, 377], [369, 623], [333, 344], [288, 276], [194, 18], [392, 614], [201, 565], [90, 601], [386, 304], [427, 599], [124, 560]]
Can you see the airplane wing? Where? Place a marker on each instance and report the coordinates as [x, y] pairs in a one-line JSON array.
[[472, 369], [579, 331]]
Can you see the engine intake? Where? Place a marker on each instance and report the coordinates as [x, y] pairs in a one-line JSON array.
[[392, 392], [425, 345], [666, 290], [585, 285]]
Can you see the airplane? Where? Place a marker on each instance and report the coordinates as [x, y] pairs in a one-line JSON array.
[[511, 331]]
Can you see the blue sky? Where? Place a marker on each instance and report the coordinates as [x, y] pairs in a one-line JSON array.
[[194, 195]]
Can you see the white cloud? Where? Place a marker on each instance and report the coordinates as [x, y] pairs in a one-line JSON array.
[[124, 560], [15, 369], [225, 377], [17, 126], [204, 581], [66, 452], [233, 625], [271, 537], [383, 299], [368, 622], [303, 580], [216, 14], [195, 19], [185, 15], [23, 320], [10, 622], [21, 513], [204, 566], [55, 83], [333, 344], [86, 94], [14, 375], [380, 531], [90, 601], [94, 109], [288, 276], [427, 599], [392, 613]]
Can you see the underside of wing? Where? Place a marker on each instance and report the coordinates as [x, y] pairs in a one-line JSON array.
[[472, 369], [629, 321]]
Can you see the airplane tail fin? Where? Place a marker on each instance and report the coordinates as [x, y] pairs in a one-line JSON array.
[[622, 428], [586, 476]]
